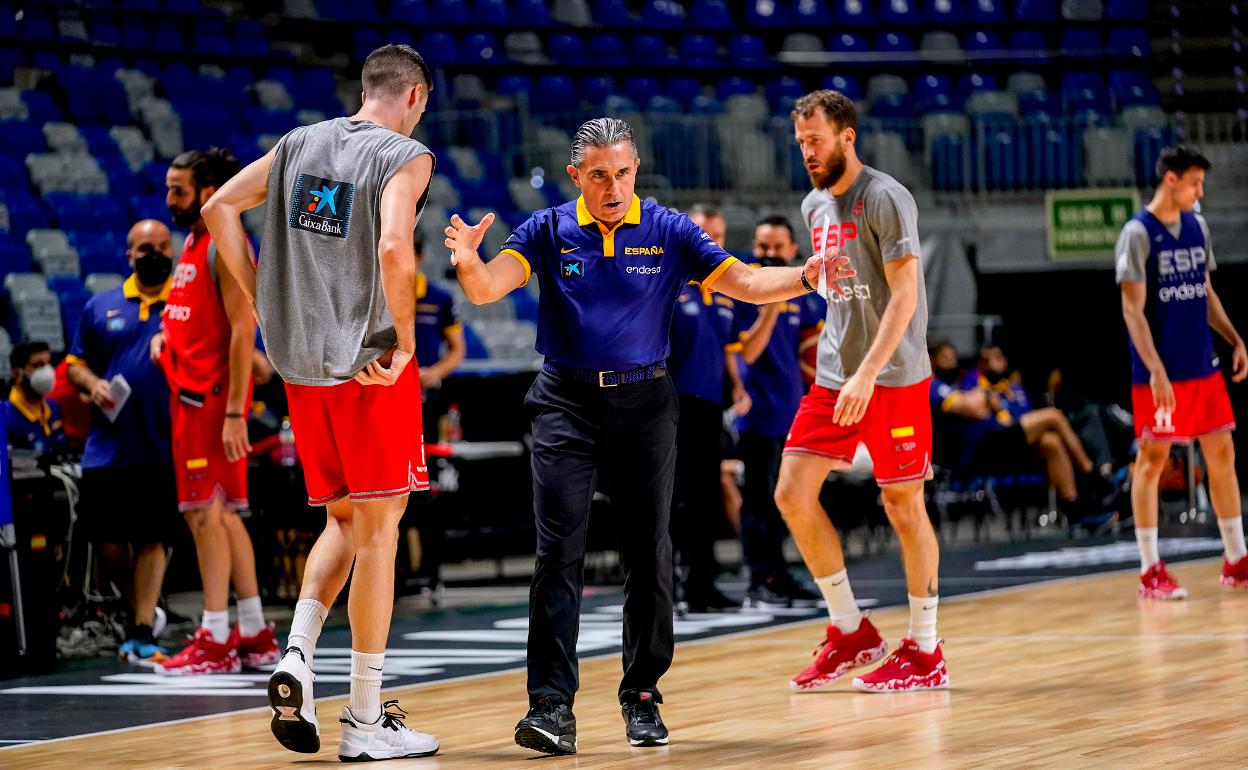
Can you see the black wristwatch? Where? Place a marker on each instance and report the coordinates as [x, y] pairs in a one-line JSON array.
[[806, 283]]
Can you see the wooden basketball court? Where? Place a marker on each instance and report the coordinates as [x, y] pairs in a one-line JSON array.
[[1067, 674]]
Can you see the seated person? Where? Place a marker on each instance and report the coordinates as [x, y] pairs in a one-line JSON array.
[[31, 420], [997, 433]]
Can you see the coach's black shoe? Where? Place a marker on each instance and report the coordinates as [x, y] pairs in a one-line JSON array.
[[708, 599], [550, 728], [642, 722]]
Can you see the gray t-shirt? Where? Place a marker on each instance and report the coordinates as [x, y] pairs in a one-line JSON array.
[[1132, 250], [874, 222], [319, 295]]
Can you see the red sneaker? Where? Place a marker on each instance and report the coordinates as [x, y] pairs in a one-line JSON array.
[[838, 654], [1158, 583], [1235, 575], [906, 670], [203, 656], [259, 650]]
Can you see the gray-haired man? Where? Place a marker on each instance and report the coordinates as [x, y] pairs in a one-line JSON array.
[[603, 409]]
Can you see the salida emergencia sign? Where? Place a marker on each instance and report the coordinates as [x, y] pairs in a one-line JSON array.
[[1084, 224]]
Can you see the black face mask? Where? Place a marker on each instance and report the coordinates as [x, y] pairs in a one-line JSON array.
[[991, 376], [947, 376], [771, 262], [153, 268], [185, 218]]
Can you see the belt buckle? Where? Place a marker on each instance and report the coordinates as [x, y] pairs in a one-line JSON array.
[[602, 383]]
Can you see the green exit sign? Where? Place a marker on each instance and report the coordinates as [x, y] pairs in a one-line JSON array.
[[1084, 224]]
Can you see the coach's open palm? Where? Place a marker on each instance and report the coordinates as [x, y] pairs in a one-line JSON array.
[[464, 239], [832, 264], [386, 369]]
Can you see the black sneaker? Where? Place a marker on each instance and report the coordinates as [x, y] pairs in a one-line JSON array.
[[708, 599], [799, 595], [550, 728], [642, 722], [765, 597]]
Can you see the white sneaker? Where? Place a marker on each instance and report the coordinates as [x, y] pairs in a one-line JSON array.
[[294, 710], [159, 621], [387, 738]]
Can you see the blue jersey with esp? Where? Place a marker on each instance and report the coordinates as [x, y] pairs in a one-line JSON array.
[[774, 381], [607, 293], [701, 334], [1177, 300], [114, 337]]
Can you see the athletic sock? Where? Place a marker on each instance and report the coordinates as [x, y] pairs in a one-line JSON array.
[[842, 609], [218, 624], [305, 628], [250, 616], [1232, 530], [923, 621], [1146, 537], [365, 698]]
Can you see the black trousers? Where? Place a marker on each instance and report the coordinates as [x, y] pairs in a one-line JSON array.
[[697, 508], [762, 529], [627, 437]]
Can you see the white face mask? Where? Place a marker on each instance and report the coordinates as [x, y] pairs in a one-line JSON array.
[[43, 379]]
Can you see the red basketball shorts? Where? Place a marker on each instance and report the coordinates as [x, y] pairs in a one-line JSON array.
[[1201, 406], [360, 441], [202, 472], [896, 428]]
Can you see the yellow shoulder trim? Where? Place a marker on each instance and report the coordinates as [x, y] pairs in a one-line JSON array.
[[718, 271], [528, 271]]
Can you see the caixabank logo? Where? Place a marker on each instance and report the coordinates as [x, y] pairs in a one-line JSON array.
[[322, 205]]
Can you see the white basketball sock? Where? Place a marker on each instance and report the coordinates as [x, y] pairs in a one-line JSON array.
[[842, 609], [923, 621], [305, 628], [218, 624], [1146, 537], [365, 698], [250, 616], [1232, 530]]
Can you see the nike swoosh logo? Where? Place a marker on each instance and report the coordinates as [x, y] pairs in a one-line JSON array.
[[930, 608], [569, 251], [834, 585], [373, 669], [903, 466]]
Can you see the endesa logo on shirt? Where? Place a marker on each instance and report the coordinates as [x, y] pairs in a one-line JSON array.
[[322, 205]]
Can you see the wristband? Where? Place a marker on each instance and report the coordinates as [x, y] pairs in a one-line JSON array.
[[235, 416], [805, 283]]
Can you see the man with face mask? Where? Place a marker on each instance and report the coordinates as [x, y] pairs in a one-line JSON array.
[[32, 420], [770, 338], [128, 495], [206, 348]]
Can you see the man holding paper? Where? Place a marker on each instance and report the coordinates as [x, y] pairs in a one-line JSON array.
[[128, 494]]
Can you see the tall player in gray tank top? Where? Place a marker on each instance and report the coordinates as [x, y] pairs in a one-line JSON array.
[[871, 387], [336, 299]]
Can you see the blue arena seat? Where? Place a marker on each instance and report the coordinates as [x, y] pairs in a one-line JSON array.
[[684, 89], [1126, 10], [698, 52], [495, 14], [411, 12], [711, 15], [853, 13], [948, 162], [652, 49], [983, 41], [934, 93], [449, 12], [595, 88], [734, 86], [612, 13], [661, 14], [1028, 45], [766, 13], [846, 84], [608, 49], [640, 88], [516, 86], [811, 14], [566, 48], [439, 48], [781, 92], [482, 48], [900, 12], [1132, 87], [1129, 43], [893, 43], [1036, 11], [1080, 44], [946, 13], [970, 82], [748, 51], [554, 93], [535, 13], [848, 42]]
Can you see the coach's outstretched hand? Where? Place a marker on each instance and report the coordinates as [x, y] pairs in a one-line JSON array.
[[464, 239], [834, 263], [385, 370]]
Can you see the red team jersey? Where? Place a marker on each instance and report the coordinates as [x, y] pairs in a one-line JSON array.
[[196, 361]]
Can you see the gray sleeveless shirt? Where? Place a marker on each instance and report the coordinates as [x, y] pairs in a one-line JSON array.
[[322, 310]]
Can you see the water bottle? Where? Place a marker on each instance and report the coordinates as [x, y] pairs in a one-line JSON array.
[[287, 455]]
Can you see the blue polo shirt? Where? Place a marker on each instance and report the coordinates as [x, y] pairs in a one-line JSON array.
[[36, 426], [114, 335], [702, 330], [435, 318], [774, 381], [607, 294]]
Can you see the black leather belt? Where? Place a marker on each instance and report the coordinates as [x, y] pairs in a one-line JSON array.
[[607, 379]]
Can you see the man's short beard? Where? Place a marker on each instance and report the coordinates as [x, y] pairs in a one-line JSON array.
[[826, 180]]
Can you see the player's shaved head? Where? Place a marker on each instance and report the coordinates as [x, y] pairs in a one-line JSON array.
[[390, 71], [150, 231]]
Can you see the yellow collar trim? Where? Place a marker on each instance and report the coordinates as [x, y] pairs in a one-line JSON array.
[[422, 285], [131, 291], [39, 412], [631, 217]]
